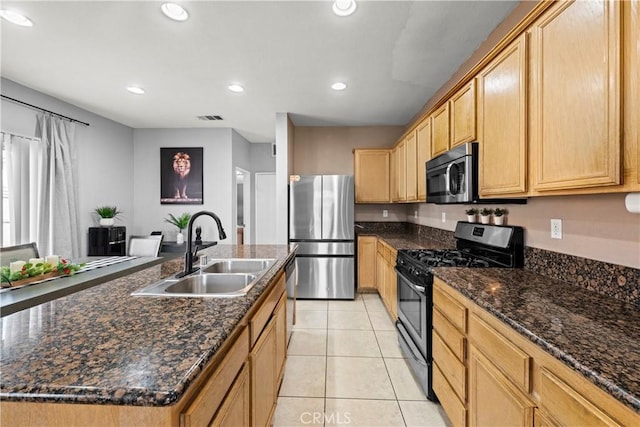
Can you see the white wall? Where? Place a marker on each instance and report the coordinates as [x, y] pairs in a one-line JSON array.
[[261, 161], [284, 165], [105, 152], [241, 157], [218, 180]]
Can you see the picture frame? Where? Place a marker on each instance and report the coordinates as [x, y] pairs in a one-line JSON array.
[[181, 180]]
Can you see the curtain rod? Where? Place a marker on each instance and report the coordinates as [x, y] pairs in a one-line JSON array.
[[45, 110]]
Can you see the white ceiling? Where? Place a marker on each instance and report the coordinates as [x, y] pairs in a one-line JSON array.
[[392, 54]]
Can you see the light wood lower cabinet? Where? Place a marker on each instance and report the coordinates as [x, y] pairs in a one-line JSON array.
[[367, 262], [487, 374], [386, 277], [280, 315], [263, 377], [493, 399], [236, 409]]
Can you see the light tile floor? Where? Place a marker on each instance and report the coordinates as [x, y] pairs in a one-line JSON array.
[[344, 367]]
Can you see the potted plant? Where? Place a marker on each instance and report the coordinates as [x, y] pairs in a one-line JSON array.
[[499, 216], [471, 214], [107, 214], [181, 222], [485, 215]]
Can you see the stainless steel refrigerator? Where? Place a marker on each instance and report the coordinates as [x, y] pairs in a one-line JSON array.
[[321, 223]]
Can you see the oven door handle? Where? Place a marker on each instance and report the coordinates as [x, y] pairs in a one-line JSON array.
[[417, 288]]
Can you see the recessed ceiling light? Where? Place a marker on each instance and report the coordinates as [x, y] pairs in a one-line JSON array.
[[236, 88], [175, 11], [135, 89], [339, 86], [344, 7], [16, 18]]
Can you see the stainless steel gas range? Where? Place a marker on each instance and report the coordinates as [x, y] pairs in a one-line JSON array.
[[477, 246]]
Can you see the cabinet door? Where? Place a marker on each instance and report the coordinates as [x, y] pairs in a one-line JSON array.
[[393, 174], [423, 136], [236, 410], [463, 115], [367, 262], [381, 276], [371, 169], [401, 171], [263, 377], [440, 130], [575, 89], [411, 150], [502, 122], [392, 287], [493, 400], [280, 316]]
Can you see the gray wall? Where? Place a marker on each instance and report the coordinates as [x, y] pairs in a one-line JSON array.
[[105, 152], [218, 180]]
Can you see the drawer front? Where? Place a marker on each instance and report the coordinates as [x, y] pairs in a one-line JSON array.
[[512, 361], [452, 369], [455, 312], [204, 406], [261, 317], [566, 406], [455, 410], [449, 334]]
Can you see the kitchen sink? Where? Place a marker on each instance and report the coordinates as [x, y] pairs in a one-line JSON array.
[[239, 265], [202, 285], [220, 278]]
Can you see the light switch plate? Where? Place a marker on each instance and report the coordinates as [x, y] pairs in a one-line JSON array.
[[444, 217], [385, 213]]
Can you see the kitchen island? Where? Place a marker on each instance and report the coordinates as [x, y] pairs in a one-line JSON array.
[[118, 359]]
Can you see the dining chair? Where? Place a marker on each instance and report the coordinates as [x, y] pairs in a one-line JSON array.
[[145, 245], [24, 252]]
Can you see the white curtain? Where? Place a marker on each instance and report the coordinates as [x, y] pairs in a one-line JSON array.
[[58, 231], [24, 162]]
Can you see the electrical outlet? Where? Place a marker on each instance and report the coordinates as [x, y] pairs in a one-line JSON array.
[[385, 213], [415, 214], [444, 217], [556, 229]]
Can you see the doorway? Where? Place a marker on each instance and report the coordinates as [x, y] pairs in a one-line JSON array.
[[243, 206]]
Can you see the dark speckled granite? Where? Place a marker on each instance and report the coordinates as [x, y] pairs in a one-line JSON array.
[[596, 336], [102, 345]]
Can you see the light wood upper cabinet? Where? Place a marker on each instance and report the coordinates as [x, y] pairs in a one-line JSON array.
[[575, 89], [367, 262], [423, 137], [411, 151], [393, 175], [372, 175], [440, 130], [502, 123], [463, 115], [401, 171]]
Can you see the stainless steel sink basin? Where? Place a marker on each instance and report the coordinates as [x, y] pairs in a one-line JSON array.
[[202, 285], [237, 265], [220, 278]]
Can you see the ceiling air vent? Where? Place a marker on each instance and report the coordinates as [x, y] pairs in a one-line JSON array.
[[210, 118]]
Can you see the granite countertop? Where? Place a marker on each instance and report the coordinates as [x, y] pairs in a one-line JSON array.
[[594, 335], [102, 345]]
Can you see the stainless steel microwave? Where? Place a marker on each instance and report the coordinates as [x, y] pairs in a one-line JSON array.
[[452, 177]]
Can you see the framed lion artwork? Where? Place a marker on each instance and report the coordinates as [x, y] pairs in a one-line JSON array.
[[181, 176]]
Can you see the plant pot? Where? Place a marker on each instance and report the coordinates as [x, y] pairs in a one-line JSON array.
[[106, 222], [499, 220], [485, 219], [179, 238], [471, 218]]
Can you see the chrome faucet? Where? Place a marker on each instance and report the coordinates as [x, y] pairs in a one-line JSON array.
[[189, 255]]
